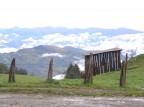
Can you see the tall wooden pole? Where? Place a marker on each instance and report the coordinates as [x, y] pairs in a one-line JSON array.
[[89, 70], [12, 71], [122, 75], [123, 72], [50, 71]]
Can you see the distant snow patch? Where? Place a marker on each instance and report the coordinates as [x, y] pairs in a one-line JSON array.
[[59, 77], [53, 54]]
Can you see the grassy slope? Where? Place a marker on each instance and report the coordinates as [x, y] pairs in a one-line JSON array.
[[105, 84]]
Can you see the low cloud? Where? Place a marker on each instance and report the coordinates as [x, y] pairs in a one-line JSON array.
[[4, 36], [86, 41], [60, 40], [53, 54], [3, 41], [126, 42], [8, 50], [80, 62]]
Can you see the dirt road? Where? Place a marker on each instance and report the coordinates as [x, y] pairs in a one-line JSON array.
[[22, 100]]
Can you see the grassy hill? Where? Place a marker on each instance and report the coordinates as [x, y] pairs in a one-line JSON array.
[[103, 85]]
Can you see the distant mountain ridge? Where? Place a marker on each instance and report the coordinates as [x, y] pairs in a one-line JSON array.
[[38, 31], [36, 63]]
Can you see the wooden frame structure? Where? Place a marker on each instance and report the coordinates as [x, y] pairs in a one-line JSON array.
[[105, 61]]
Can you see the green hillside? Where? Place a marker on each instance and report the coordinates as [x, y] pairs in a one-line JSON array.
[[104, 84]]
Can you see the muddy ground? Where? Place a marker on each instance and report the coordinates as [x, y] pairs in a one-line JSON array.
[[28, 100]]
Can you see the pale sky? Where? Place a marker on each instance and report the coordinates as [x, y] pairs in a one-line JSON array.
[[72, 13]]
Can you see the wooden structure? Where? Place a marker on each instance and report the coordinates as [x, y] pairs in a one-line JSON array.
[[105, 61]]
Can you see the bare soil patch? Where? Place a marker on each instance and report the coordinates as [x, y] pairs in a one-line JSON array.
[[40, 100]]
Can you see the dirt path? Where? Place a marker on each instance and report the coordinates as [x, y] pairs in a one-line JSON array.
[[22, 100]]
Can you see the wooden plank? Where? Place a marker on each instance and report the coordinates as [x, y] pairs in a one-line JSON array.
[[109, 55], [94, 65], [96, 61], [114, 60], [117, 60], [111, 61]]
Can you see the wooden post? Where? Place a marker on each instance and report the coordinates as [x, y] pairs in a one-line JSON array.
[[89, 71], [50, 71], [122, 75], [123, 72], [126, 59], [11, 71]]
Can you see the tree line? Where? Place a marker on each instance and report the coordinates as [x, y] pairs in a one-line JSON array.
[[5, 70]]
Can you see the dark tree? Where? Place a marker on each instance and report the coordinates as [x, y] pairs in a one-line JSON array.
[[3, 69], [73, 72], [77, 71], [21, 71]]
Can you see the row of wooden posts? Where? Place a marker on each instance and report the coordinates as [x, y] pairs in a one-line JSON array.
[[12, 71], [88, 78]]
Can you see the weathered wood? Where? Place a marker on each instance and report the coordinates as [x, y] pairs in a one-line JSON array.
[[116, 60], [12, 71], [110, 54], [115, 63], [108, 62], [123, 72], [50, 71], [82, 74], [105, 61], [122, 75], [126, 59], [119, 60], [89, 71]]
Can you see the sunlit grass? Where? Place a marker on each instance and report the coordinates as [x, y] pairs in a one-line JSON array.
[[105, 84]]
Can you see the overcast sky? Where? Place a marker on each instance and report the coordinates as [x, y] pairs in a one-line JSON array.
[[72, 13]]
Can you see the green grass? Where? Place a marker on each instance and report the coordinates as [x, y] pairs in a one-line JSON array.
[[103, 85]]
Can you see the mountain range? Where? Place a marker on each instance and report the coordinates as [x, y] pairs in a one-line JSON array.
[[36, 60], [33, 47]]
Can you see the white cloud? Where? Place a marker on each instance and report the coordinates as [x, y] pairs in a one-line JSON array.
[[53, 54], [87, 41], [126, 42], [3, 41], [57, 39], [8, 50], [80, 62], [15, 35], [4, 36]]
